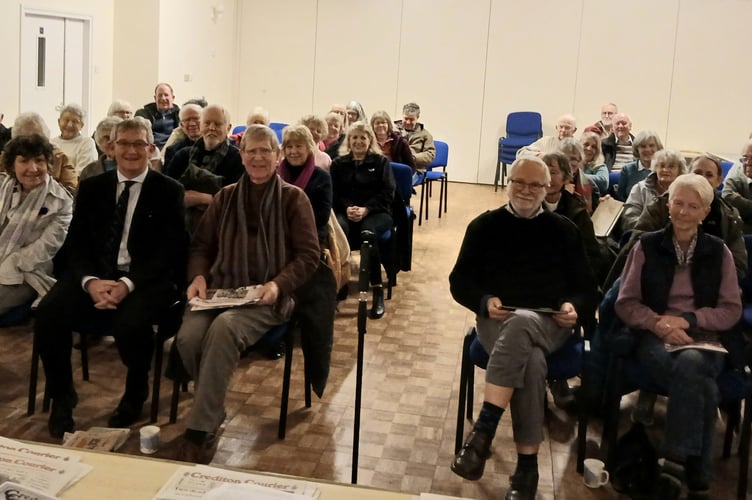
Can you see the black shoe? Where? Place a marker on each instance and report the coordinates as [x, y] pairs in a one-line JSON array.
[[61, 417], [197, 450], [523, 484], [368, 235], [562, 393], [343, 293], [377, 308], [127, 412], [471, 459], [275, 351]]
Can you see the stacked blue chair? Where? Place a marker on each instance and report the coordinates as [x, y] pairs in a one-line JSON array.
[[278, 127], [396, 245], [238, 129], [433, 173], [613, 183], [523, 128]]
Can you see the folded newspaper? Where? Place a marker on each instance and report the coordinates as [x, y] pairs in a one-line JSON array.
[[189, 482], [97, 438], [227, 297], [14, 491], [47, 470]]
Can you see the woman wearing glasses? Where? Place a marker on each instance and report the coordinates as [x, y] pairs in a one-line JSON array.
[[79, 148]]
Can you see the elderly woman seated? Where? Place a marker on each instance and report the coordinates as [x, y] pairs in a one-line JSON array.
[[393, 145], [679, 285], [80, 149], [335, 135], [35, 212], [61, 168], [644, 147], [665, 166], [103, 135], [578, 181], [317, 126], [593, 165]]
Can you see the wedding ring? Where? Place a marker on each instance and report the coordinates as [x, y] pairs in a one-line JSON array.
[[668, 325]]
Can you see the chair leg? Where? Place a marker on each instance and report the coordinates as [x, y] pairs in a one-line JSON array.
[[158, 357], [427, 190], [496, 176], [446, 190], [611, 421], [582, 415], [285, 388], [503, 175], [441, 195], [733, 411], [420, 208], [33, 377], [744, 449]]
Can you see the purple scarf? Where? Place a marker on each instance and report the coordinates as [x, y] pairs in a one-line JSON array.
[[286, 171]]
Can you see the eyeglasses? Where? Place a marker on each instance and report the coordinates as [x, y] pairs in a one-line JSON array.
[[128, 144], [745, 159], [521, 185], [191, 120], [258, 152]]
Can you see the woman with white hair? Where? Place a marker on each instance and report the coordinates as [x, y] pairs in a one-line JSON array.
[[679, 285], [80, 149], [666, 165]]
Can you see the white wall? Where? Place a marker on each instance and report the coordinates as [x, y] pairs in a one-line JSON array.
[[101, 12], [678, 66]]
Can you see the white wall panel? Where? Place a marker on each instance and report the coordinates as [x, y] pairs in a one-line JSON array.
[[711, 103], [357, 54], [442, 66], [626, 56], [532, 66]]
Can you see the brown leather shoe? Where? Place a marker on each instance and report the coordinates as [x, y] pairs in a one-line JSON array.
[[197, 453], [471, 459], [523, 485]]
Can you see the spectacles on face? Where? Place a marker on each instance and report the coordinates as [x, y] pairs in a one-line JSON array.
[[745, 159], [263, 152], [520, 185], [128, 144]]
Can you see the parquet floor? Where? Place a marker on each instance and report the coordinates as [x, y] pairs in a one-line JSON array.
[[411, 382]]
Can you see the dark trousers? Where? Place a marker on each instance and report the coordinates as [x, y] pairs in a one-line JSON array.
[[67, 308], [378, 223]]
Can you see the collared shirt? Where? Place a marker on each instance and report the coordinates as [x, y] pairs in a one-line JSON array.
[[640, 166], [124, 257], [512, 211]]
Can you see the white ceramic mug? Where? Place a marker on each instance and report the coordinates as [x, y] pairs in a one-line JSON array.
[[149, 439], [595, 475]]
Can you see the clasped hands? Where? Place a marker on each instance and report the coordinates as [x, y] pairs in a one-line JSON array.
[[356, 214], [672, 330], [107, 294], [269, 291], [567, 320]]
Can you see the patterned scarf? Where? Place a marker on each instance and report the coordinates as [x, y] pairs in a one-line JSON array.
[[17, 227], [208, 160]]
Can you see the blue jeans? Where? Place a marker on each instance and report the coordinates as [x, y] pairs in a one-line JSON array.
[[690, 379]]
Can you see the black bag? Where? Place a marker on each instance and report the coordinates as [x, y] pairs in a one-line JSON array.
[[635, 468]]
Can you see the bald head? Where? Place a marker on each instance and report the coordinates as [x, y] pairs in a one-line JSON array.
[[622, 125]]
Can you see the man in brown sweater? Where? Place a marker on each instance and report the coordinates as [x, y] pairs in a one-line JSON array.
[[260, 231]]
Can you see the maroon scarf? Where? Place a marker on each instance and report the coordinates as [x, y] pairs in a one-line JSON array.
[[286, 170]]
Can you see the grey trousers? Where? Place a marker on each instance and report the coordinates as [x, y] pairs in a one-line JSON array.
[[517, 349], [15, 295], [210, 344]]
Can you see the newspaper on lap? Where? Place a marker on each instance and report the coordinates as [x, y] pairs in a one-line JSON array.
[[227, 297]]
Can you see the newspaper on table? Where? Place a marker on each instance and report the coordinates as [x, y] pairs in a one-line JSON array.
[[246, 491], [97, 438], [196, 481], [47, 470], [227, 297], [10, 490]]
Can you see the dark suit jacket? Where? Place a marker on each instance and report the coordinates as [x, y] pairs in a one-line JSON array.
[[157, 240], [608, 147]]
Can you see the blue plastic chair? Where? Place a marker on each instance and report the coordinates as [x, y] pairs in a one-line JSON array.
[[278, 127], [613, 183], [523, 128], [433, 173], [565, 363], [238, 129]]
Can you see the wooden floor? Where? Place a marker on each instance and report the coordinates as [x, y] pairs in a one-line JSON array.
[[411, 382]]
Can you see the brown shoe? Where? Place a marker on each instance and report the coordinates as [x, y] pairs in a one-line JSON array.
[[471, 459], [197, 453]]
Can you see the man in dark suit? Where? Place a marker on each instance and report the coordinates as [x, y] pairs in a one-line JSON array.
[[126, 244]]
